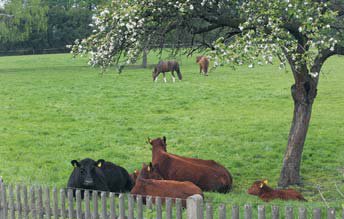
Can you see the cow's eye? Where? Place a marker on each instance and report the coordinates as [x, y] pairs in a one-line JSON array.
[[82, 170]]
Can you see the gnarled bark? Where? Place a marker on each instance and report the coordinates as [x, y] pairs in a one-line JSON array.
[[303, 92]]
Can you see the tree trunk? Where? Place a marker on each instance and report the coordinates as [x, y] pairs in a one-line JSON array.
[[303, 92], [144, 58], [290, 173]]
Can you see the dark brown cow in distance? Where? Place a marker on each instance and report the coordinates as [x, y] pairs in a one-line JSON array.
[[207, 174], [264, 192], [203, 62], [146, 186], [163, 67]]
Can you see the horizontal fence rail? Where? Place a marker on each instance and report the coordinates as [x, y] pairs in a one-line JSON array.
[[36, 202]]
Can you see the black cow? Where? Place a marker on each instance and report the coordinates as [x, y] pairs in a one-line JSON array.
[[99, 175]]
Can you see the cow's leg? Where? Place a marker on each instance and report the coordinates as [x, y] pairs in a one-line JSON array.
[[200, 69], [164, 77], [156, 78], [173, 77]]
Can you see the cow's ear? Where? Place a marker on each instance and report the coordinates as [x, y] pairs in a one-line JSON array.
[[75, 163], [149, 141], [164, 138], [265, 181], [100, 163], [151, 166]]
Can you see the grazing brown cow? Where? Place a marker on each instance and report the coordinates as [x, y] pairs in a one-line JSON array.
[[163, 67], [264, 192], [146, 186], [203, 62], [207, 174]]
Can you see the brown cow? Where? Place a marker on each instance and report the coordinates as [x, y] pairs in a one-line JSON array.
[[146, 186], [134, 175], [264, 192], [152, 174], [203, 62], [207, 174]]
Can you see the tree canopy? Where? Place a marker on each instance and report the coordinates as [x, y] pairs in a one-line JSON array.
[[303, 34], [20, 18]]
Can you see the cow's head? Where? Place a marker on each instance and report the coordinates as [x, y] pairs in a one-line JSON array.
[[158, 143], [198, 58], [257, 187], [87, 171], [155, 73], [149, 172]]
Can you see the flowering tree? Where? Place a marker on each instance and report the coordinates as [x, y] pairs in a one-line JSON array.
[[301, 33]]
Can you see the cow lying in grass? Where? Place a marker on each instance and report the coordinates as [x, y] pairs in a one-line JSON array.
[[152, 174], [206, 174], [264, 192], [99, 175], [146, 186]]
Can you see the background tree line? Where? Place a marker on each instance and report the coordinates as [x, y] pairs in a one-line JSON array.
[[45, 24]]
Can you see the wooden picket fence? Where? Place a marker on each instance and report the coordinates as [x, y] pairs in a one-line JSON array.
[[37, 203]]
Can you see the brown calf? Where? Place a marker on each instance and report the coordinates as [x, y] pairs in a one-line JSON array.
[[207, 174], [163, 188], [134, 176], [151, 174], [203, 62], [264, 192]]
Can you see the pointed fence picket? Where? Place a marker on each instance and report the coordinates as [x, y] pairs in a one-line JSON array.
[[19, 202]]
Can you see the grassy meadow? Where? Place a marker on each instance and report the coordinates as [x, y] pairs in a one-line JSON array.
[[54, 109]]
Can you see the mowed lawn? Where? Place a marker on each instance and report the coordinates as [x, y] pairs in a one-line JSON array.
[[54, 109]]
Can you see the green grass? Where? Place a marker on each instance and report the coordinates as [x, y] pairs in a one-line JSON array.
[[54, 109]]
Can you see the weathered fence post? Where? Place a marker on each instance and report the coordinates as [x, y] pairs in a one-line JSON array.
[[63, 203], [331, 213], [104, 207], [179, 208], [112, 206], [95, 204], [158, 207], [275, 212], [4, 201], [139, 207], [121, 206], [11, 207], [248, 211], [149, 205], [55, 204], [130, 206], [209, 211], [235, 212], [289, 213], [302, 213], [261, 212], [193, 207], [33, 203], [70, 203], [169, 208], [19, 204], [26, 201], [316, 213], [78, 204], [47, 203], [87, 204], [222, 211], [40, 203]]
